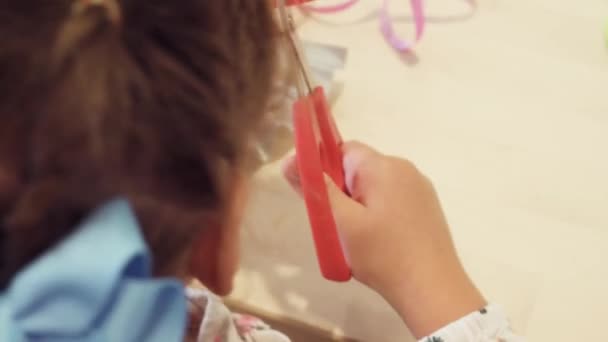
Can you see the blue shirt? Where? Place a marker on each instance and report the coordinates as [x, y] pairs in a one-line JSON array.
[[94, 286]]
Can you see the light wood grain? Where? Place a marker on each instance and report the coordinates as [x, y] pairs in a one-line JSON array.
[[507, 111]]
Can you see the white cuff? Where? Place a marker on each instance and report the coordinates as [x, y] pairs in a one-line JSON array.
[[489, 324]]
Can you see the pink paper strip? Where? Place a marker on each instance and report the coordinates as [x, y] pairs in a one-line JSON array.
[[332, 8], [387, 25]]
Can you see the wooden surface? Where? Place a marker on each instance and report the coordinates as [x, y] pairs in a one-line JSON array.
[[297, 331], [506, 110]]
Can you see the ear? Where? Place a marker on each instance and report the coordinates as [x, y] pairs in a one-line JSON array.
[[215, 254], [204, 258]]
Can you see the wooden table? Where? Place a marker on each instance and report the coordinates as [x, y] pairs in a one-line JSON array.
[[507, 111]]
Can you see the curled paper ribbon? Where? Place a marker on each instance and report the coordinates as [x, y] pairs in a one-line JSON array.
[[388, 28], [387, 25], [332, 8]]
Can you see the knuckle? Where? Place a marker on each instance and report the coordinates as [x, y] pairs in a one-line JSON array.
[[405, 167]]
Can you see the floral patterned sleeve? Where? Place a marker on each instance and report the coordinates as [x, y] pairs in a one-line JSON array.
[[487, 325], [211, 321]]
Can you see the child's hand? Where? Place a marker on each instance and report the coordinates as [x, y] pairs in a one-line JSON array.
[[397, 240]]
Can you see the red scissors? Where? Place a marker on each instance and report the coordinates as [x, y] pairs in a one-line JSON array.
[[318, 153]]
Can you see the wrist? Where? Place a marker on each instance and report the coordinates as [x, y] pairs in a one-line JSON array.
[[434, 297]]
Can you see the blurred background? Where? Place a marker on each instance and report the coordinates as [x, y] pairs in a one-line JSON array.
[[505, 106]]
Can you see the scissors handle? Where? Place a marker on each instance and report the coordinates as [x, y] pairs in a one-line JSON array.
[[318, 152], [331, 140]]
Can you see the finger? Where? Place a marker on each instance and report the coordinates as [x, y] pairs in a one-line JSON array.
[[348, 213], [360, 161], [289, 168]]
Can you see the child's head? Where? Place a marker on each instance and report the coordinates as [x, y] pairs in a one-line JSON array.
[[152, 100]]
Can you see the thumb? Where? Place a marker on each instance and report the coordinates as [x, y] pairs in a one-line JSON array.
[[348, 213]]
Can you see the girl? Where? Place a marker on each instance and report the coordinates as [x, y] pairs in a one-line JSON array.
[[124, 139]]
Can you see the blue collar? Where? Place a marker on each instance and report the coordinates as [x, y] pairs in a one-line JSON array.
[[94, 286]]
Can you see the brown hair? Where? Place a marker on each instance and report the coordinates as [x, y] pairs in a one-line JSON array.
[[155, 105]]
